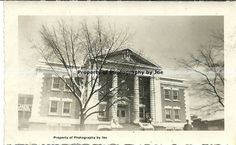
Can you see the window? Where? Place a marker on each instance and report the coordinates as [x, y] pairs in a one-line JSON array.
[[167, 94], [102, 110], [68, 81], [175, 94], [122, 113], [168, 113], [53, 107], [55, 83], [118, 113], [177, 114], [66, 108]]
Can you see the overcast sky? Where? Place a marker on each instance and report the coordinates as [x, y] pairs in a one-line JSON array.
[[160, 38]]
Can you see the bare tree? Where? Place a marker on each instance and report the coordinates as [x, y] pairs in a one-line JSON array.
[[208, 63], [88, 45]]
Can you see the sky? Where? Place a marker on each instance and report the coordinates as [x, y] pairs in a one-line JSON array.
[[161, 39]]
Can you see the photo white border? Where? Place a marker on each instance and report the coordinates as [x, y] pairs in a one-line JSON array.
[[15, 9]]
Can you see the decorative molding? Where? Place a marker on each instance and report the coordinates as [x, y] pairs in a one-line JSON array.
[[168, 107], [37, 95], [167, 99], [67, 100], [176, 107], [166, 88], [175, 100], [54, 99], [187, 107]]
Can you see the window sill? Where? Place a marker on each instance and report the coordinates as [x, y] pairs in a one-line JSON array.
[[176, 100], [177, 120], [169, 120], [53, 114], [167, 99], [101, 117], [66, 115], [67, 91], [57, 90]]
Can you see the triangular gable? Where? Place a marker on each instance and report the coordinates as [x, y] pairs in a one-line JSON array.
[[128, 56]]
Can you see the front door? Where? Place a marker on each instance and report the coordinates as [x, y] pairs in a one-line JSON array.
[[122, 114], [142, 114]]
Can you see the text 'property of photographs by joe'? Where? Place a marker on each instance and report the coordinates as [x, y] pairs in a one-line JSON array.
[[128, 72]]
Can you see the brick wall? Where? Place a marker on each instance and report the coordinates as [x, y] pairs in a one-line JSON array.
[[47, 92], [172, 103]]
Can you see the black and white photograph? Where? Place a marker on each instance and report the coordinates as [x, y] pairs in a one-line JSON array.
[[120, 73]]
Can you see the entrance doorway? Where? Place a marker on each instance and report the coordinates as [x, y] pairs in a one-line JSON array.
[[122, 114], [142, 114], [144, 99]]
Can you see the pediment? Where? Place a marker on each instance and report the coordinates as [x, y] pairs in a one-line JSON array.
[[127, 56]]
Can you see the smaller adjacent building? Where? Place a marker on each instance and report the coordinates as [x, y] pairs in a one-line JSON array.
[[25, 102], [207, 124], [165, 100]]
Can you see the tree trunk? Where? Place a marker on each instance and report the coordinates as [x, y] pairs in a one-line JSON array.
[[82, 119]]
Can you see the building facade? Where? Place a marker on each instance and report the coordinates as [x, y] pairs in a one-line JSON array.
[[145, 92]]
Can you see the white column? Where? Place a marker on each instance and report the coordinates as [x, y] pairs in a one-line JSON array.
[[136, 100], [158, 100], [114, 97], [152, 99]]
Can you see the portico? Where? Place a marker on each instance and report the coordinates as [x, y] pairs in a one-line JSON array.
[[137, 93], [131, 82]]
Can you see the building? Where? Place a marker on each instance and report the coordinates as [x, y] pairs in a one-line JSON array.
[[24, 110], [207, 124], [145, 91]]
